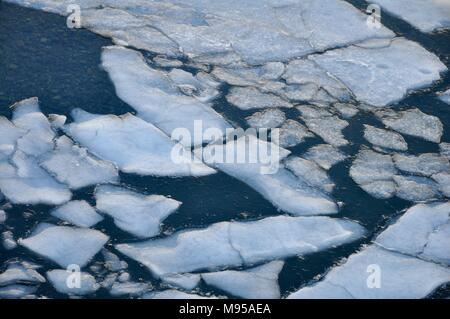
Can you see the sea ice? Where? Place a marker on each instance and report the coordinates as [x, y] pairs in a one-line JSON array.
[[423, 231], [183, 281], [445, 96], [415, 188], [384, 138], [78, 213], [241, 243], [129, 288], [382, 75], [72, 165], [311, 173], [16, 291], [131, 143], [248, 98], [173, 294], [443, 180], [261, 172], [256, 283], [424, 164], [325, 155], [292, 133], [60, 278], [8, 240], [402, 277], [427, 16], [20, 273], [147, 90], [413, 122], [269, 118], [135, 213], [3, 216], [112, 262], [65, 245]]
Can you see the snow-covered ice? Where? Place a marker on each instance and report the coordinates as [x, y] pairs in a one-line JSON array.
[[134, 145], [135, 213], [427, 16], [425, 164], [269, 118], [445, 96], [3, 216], [310, 172], [112, 261], [228, 244], [248, 98], [183, 281], [16, 291], [129, 288], [416, 188], [60, 280], [78, 213], [384, 138], [255, 283], [20, 273], [65, 245], [72, 165], [413, 122]]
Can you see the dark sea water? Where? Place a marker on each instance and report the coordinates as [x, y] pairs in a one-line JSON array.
[[40, 56]]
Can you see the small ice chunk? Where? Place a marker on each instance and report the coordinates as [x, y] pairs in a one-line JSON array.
[[173, 294], [413, 122], [262, 171], [370, 166], [384, 138], [346, 110], [402, 277], [427, 16], [311, 173], [62, 282], [133, 144], [112, 262], [416, 189], [443, 180], [183, 281], [39, 135], [164, 62], [445, 149], [270, 118], [135, 213], [325, 155], [424, 164], [382, 75], [124, 277], [445, 96], [423, 231], [22, 181], [65, 245], [256, 283], [72, 165], [20, 273], [78, 213], [57, 121], [16, 291], [229, 244], [8, 240], [129, 288], [380, 189], [3, 216], [292, 133], [9, 134], [248, 98]]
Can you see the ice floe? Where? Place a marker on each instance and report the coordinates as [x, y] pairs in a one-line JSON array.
[[416, 188], [16, 291], [228, 244], [262, 172], [256, 283], [248, 98], [292, 133], [312, 173], [413, 122], [135, 213], [8, 240], [3, 216], [183, 281], [445, 96], [384, 74], [427, 16], [83, 284], [129, 288], [65, 245], [147, 90], [112, 262], [134, 145], [269, 118], [78, 213], [325, 155], [425, 164], [423, 231], [173, 294], [20, 273], [72, 165], [384, 138]]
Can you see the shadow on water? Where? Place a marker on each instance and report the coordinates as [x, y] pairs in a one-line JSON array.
[[40, 56]]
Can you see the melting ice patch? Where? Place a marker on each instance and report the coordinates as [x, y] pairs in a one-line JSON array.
[[234, 244]]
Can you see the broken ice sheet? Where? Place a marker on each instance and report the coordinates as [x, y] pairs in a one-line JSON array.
[[20, 273], [134, 145], [229, 244], [269, 118], [325, 155], [59, 279], [72, 165], [256, 283], [135, 213], [65, 245], [248, 98], [445, 96], [291, 133], [416, 189], [310, 172], [384, 138], [425, 164]]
